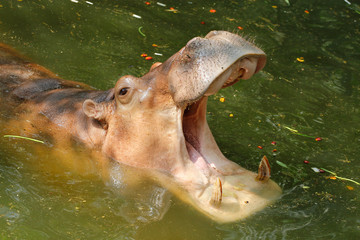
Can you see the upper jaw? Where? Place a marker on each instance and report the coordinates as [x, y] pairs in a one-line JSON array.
[[207, 64], [243, 68]]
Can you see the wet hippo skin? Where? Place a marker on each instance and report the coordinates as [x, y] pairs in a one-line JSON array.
[[156, 122]]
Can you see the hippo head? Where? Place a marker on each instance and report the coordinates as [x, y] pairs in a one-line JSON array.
[[159, 122]]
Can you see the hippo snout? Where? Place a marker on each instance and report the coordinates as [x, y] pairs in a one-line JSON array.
[[205, 65]]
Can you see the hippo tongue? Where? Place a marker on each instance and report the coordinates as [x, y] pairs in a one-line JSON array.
[[197, 158]]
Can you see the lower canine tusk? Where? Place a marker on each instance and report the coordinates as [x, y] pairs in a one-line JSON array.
[[216, 197], [264, 170]]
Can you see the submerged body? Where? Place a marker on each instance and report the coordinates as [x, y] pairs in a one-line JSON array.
[[156, 122]]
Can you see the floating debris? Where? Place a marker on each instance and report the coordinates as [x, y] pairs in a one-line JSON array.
[[172, 10], [142, 34], [334, 175], [158, 54], [161, 4], [136, 16], [294, 131], [315, 169], [281, 164], [222, 99], [338, 177], [300, 59], [26, 138], [212, 11]]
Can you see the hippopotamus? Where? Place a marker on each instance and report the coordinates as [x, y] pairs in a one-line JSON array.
[[155, 122]]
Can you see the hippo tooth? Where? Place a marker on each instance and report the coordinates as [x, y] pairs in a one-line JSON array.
[[264, 170], [216, 197]]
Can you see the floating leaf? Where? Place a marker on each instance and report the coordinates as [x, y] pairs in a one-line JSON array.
[[315, 169], [281, 164], [300, 59], [26, 138], [294, 131], [142, 34]]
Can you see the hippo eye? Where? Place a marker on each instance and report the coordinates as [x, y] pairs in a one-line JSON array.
[[123, 91]]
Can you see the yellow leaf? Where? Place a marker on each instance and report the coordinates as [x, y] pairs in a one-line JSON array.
[[300, 59]]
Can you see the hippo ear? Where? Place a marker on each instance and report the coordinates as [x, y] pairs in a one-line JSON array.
[[155, 65], [93, 110]]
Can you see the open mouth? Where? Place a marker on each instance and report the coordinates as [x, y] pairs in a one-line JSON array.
[[201, 146], [193, 119], [215, 185]]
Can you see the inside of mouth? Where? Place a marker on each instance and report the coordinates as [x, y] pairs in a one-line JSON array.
[[193, 120], [195, 130]]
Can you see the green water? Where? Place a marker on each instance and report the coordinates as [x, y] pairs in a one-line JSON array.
[[97, 41]]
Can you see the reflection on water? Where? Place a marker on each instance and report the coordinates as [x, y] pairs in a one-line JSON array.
[[30, 191], [96, 43], [149, 202]]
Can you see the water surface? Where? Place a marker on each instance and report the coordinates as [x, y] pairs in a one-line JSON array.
[[310, 84]]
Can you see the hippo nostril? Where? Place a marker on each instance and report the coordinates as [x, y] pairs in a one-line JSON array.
[[241, 72]]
